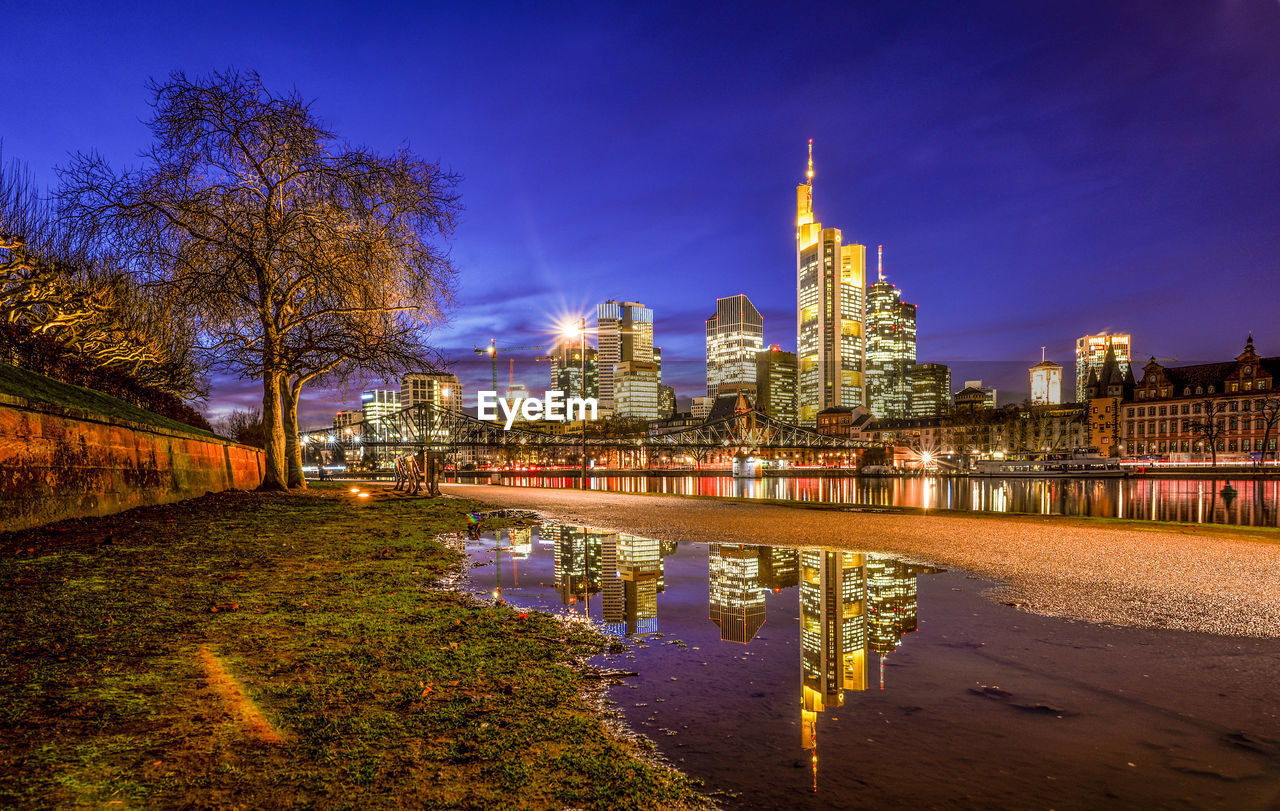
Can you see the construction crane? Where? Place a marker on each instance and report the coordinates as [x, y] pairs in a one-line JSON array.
[[492, 351]]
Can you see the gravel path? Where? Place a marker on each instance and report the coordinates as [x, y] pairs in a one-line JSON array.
[[1091, 571]]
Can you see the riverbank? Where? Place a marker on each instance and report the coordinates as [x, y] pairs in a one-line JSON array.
[[1220, 580], [291, 649]]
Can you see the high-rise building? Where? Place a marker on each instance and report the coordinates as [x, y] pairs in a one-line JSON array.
[[1046, 382], [735, 593], [776, 384], [891, 347], [635, 390], [440, 389], [666, 402], [930, 390], [626, 336], [566, 369], [1091, 353], [830, 277], [377, 403], [735, 333]]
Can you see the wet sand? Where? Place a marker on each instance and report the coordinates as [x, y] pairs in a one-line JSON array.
[[1120, 574]]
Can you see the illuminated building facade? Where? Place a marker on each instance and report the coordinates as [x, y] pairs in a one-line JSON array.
[[626, 337], [442, 390], [736, 595], [830, 277], [666, 402], [1091, 353], [975, 397], [1046, 383], [930, 390], [1172, 404], [891, 348], [566, 369], [776, 384], [1105, 391], [344, 419], [377, 403], [735, 333], [635, 390]]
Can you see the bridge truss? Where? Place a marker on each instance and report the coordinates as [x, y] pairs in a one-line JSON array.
[[425, 427]]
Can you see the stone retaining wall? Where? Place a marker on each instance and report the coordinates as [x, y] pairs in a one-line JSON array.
[[60, 463]]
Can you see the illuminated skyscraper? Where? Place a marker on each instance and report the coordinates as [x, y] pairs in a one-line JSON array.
[[1091, 353], [930, 389], [776, 384], [830, 277], [566, 369], [833, 632], [736, 596], [891, 348], [735, 333], [1046, 382], [626, 337], [377, 403]]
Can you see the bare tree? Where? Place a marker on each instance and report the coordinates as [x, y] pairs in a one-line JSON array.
[[260, 219], [244, 427], [1210, 427], [58, 295]]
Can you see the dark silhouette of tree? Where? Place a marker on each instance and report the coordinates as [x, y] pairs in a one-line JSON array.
[[1209, 426], [1269, 414], [262, 221], [244, 427]]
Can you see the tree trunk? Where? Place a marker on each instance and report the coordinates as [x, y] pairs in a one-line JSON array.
[[289, 394], [273, 475]]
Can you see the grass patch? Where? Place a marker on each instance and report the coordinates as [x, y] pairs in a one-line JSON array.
[[319, 608], [31, 386]]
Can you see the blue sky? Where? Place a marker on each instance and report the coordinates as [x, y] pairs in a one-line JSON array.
[[1035, 171]]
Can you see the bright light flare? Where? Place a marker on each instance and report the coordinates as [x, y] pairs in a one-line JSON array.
[[355, 489]]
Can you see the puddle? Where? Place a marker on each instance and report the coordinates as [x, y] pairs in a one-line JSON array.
[[811, 677]]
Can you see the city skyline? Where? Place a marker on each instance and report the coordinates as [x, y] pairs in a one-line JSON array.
[[1123, 150]]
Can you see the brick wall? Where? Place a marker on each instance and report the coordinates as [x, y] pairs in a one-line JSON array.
[[59, 463]]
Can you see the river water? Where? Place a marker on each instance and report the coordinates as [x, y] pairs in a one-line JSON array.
[[808, 677], [1219, 501]]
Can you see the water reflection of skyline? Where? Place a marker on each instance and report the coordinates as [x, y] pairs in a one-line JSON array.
[[851, 604]]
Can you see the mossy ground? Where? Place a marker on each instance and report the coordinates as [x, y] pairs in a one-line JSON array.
[[387, 691]]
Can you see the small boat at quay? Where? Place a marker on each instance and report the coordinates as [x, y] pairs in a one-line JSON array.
[[1085, 463]]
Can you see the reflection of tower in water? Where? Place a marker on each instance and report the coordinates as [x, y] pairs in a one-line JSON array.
[[735, 593], [631, 571], [625, 570], [850, 603]]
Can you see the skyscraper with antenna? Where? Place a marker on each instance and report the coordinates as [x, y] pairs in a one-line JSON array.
[[830, 330], [891, 347]]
